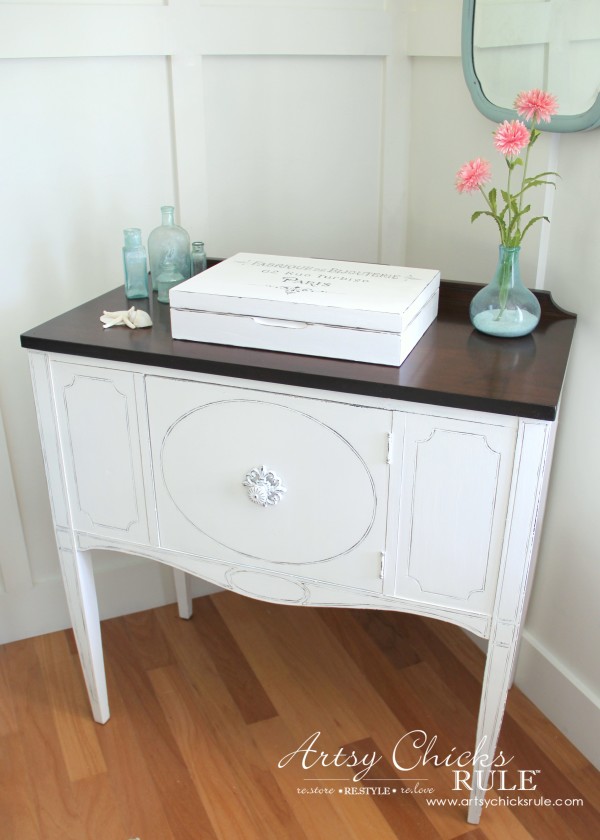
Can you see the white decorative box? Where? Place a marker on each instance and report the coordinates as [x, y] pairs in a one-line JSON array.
[[343, 310]]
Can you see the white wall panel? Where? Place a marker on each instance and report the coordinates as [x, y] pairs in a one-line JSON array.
[[89, 154], [294, 146], [270, 125]]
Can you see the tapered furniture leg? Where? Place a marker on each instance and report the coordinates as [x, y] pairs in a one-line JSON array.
[[183, 589], [518, 553], [80, 588], [496, 683]]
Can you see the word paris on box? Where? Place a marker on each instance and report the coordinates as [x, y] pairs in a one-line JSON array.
[[343, 310]]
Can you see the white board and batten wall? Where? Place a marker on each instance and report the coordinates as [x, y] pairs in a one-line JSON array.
[[274, 127], [304, 127]]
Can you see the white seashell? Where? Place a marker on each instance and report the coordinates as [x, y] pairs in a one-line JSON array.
[[133, 318], [141, 319]]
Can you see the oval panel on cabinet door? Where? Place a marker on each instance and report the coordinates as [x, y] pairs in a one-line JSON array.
[[326, 507]]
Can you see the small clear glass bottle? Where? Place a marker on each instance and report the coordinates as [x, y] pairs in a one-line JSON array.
[[135, 265], [168, 237], [198, 258], [168, 277]]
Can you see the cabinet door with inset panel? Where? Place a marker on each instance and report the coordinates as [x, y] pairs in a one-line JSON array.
[[456, 477], [287, 485], [97, 419]]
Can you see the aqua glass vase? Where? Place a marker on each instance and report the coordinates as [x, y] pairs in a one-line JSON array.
[[505, 307], [169, 239]]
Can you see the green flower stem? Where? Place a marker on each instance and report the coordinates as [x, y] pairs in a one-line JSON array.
[[529, 145], [493, 214], [505, 275], [510, 169]]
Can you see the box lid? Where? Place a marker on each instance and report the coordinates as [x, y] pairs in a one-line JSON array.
[[352, 294]]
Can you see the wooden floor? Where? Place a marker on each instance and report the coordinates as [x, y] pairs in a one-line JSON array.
[[204, 711]]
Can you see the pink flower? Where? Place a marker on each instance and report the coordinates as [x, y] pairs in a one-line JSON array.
[[536, 105], [511, 137], [472, 175]]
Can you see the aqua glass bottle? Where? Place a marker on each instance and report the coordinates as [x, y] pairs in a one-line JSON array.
[[135, 265], [198, 258], [168, 237], [168, 277]]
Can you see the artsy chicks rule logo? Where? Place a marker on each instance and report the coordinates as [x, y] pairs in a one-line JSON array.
[[414, 751]]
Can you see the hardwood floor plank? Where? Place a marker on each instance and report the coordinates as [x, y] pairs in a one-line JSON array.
[[400, 811], [396, 687], [291, 680], [499, 823], [18, 813], [57, 810], [149, 648], [97, 804], [222, 729], [240, 797], [8, 717], [323, 689], [321, 816], [138, 739], [185, 756], [298, 661], [232, 665], [585, 781], [431, 639], [138, 801], [459, 643], [383, 630], [557, 823], [67, 695]]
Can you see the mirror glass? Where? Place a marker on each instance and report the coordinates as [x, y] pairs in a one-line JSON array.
[[515, 45]]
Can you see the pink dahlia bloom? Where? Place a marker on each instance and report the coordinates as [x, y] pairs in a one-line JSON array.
[[536, 105], [472, 175], [511, 137]]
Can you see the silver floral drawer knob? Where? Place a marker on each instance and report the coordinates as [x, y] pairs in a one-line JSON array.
[[264, 487]]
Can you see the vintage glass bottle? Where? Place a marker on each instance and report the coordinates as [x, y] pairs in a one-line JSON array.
[[135, 265], [198, 258], [168, 237], [169, 276]]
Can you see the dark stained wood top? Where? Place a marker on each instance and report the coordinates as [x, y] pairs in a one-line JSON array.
[[452, 365]]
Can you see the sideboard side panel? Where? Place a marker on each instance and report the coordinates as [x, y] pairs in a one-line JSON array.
[[44, 403], [455, 488], [99, 435]]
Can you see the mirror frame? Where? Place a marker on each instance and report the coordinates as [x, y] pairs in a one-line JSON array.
[[559, 123]]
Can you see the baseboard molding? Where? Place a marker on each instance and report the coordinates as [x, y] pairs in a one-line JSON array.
[[561, 696], [558, 693], [125, 584]]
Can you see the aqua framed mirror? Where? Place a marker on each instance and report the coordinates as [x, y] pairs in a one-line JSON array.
[[514, 45]]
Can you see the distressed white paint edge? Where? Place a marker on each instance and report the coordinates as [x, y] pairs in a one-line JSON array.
[[123, 588]]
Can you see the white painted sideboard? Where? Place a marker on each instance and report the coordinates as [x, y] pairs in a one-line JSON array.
[[236, 467]]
